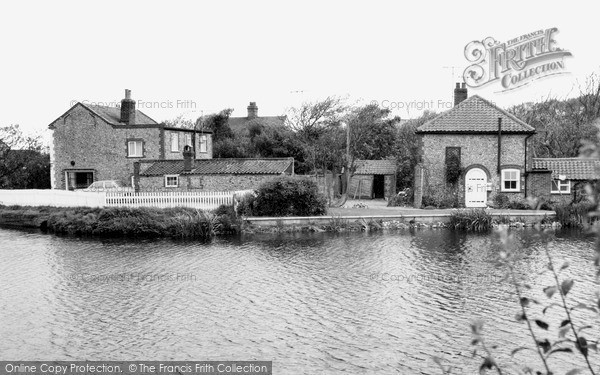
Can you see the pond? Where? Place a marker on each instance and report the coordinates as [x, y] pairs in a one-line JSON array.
[[359, 303]]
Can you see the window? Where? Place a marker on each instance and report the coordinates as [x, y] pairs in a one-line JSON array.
[[203, 141], [135, 149], [561, 187], [174, 142], [171, 180], [188, 140], [511, 180], [453, 169]]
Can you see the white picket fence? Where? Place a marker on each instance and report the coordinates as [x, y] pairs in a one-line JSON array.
[[204, 200]]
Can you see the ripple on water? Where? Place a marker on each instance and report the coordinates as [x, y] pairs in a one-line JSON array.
[[358, 303]]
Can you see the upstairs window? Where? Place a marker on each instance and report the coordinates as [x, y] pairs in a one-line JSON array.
[[203, 143], [174, 142], [135, 149], [561, 187], [511, 180], [188, 140]]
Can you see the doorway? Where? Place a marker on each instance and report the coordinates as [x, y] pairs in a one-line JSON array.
[[378, 186], [476, 188]]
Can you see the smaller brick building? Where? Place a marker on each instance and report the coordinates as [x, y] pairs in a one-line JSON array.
[[562, 180], [211, 174], [373, 179]]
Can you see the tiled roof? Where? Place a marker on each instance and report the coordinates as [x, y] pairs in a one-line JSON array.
[[241, 124], [112, 115], [571, 168], [475, 114], [375, 167], [221, 166]]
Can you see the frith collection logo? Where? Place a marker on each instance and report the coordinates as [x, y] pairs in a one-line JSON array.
[[515, 63]]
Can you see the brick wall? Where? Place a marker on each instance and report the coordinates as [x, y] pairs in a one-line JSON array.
[[476, 149], [95, 145], [206, 182], [181, 136], [539, 185]]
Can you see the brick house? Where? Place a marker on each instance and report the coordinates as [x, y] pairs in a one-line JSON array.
[[562, 180], [482, 147], [92, 143]]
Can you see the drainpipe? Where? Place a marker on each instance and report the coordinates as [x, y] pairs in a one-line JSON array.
[[499, 142], [525, 162]]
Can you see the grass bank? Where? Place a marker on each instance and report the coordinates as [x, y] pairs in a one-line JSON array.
[[121, 221]]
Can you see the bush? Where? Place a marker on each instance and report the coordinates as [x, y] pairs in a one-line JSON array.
[[245, 205], [575, 214], [474, 220], [402, 199], [441, 197], [226, 220], [511, 203], [288, 196]]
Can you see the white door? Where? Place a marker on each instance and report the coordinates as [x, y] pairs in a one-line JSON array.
[[475, 188]]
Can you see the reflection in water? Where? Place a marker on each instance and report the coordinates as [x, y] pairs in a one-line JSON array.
[[322, 303]]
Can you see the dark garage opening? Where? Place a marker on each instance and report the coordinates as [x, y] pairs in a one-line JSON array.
[[378, 186]]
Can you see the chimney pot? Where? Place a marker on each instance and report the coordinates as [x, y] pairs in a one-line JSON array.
[[460, 93], [127, 94]]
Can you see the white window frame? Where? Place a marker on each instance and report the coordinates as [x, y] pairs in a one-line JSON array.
[[203, 144], [188, 140], [138, 152], [174, 142], [560, 183], [167, 176], [503, 179]]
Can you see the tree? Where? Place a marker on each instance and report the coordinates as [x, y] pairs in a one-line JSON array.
[[407, 149], [562, 125], [24, 164], [311, 121]]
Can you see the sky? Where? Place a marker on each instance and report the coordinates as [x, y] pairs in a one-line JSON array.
[[191, 58]]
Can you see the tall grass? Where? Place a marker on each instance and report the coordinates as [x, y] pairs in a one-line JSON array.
[[135, 222], [473, 220], [575, 215]]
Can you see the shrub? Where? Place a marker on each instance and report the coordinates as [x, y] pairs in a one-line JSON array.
[[441, 197], [403, 198], [575, 214], [474, 220], [512, 203], [245, 205], [226, 220], [289, 196]]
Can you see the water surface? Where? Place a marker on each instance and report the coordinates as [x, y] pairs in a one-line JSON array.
[[357, 303]]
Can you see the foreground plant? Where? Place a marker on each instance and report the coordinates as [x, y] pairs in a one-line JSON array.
[[544, 347]]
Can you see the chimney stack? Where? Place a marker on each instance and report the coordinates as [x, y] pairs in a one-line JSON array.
[[187, 158], [252, 110], [460, 93], [128, 109]]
